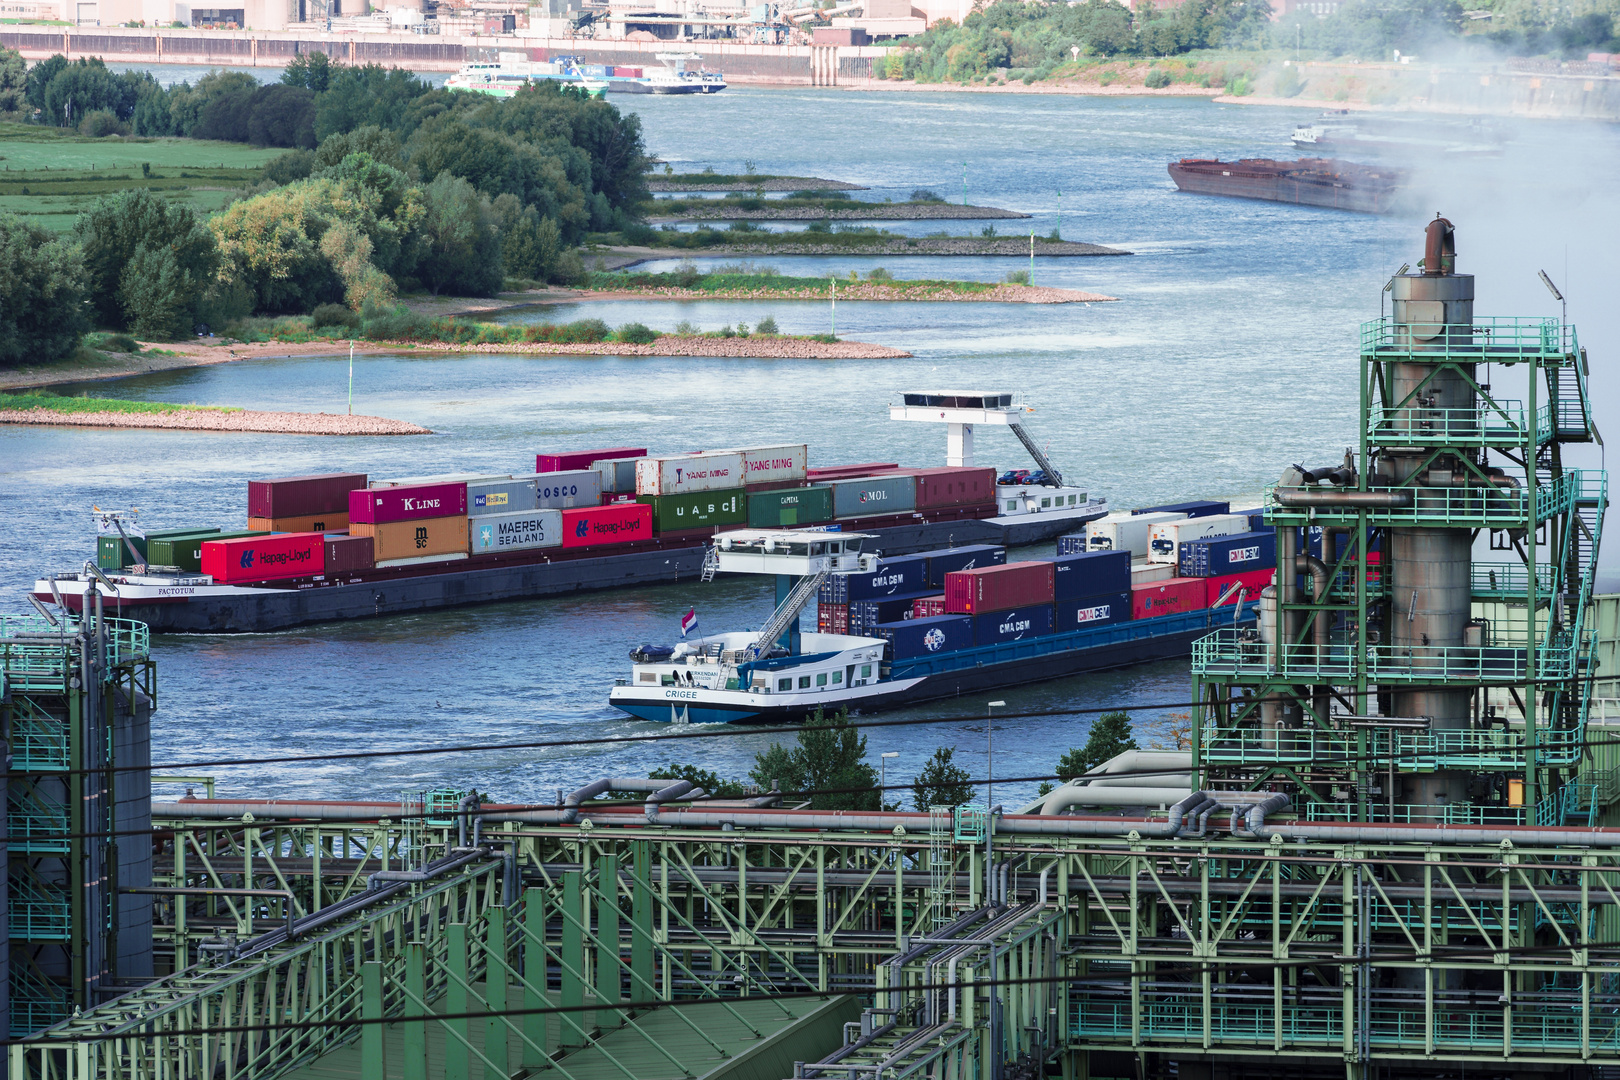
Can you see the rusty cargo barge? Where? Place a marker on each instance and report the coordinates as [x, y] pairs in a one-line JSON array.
[[1324, 182]]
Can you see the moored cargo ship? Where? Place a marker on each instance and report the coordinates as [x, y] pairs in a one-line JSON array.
[[1326, 182]]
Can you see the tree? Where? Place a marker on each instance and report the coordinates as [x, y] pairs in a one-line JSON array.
[[224, 115], [180, 255], [282, 116], [382, 145], [42, 289], [703, 778], [461, 251], [1110, 737], [13, 81], [828, 764], [941, 783], [311, 71], [85, 86], [40, 77]]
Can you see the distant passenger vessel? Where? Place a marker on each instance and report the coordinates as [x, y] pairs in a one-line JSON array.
[[505, 78]]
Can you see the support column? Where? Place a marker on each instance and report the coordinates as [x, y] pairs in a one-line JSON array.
[[534, 976], [458, 999], [415, 1031], [642, 954], [608, 978], [574, 1021], [373, 1045]]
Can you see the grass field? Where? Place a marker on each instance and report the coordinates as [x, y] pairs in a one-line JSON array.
[[56, 403]]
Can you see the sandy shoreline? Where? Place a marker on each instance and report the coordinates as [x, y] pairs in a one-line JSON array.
[[860, 290], [245, 420]]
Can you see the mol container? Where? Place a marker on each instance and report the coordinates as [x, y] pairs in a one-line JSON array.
[[1224, 591], [566, 490], [788, 507], [621, 523], [264, 558], [1194, 509], [348, 554], [686, 473], [1124, 532], [772, 464], [998, 588], [186, 552], [1087, 612], [396, 542], [1165, 540], [970, 557], [521, 530], [912, 638], [1014, 624], [865, 615], [584, 459], [502, 496], [954, 486], [926, 607], [333, 522], [1234, 554], [697, 510], [1176, 596], [870, 496], [298, 496], [379, 506], [1091, 573], [617, 476]]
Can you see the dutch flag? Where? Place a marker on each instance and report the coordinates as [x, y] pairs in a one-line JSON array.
[[689, 622]]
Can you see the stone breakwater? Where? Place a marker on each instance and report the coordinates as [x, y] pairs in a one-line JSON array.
[[277, 423], [1017, 246], [758, 348], [847, 290], [780, 183], [721, 210]]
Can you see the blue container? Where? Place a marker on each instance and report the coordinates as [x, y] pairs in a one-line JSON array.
[[906, 576], [1091, 573], [1196, 508], [1257, 517], [1217, 556], [973, 557], [1000, 627], [926, 637], [1072, 543], [864, 615], [1091, 611]]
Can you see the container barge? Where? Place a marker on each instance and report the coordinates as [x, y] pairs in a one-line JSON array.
[[1326, 182]]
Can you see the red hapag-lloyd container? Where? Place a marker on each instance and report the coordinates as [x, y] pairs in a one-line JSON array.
[[264, 558], [1172, 596], [848, 472], [1248, 584], [379, 506], [301, 496], [621, 523], [954, 486], [998, 588], [581, 459], [927, 607]]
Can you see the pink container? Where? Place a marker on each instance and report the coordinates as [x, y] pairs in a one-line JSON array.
[[998, 588], [378, 506], [264, 558], [1175, 596], [581, 459], [621, 523]]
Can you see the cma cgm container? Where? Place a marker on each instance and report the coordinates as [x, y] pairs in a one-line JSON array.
[[1228, 554], [873, 495], [378, 506], [1123, 532], [347, 554], [297, 496], [583, 459], [617, 475], [1164, 541], [521, 530], [1177, 596], [912, 638], [1090, 573], [1087, 612], [186, 552], [264, 558], [1014, 624], [970, 557], [954, 486], [503, 496], [336, 521], [680, 475], [1196, 508], [864, 615], [787, 507], [1224, 591], [672, 513], [566, 490], [772, 464], [621, 523], [407, 541], [999, 588], [906, 576]]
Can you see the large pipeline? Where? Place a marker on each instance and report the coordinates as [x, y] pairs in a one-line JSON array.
[[1372, 500]]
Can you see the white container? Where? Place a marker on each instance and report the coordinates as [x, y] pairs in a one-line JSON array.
[[493, 533], [1124, 531], [618, 475], [716, 470], [445, 478], [1165, 540], [567, 490], [772, 464], [1142, 573]]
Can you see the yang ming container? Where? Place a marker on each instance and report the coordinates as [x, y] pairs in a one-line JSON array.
[[264, 558], [999, 588], [377, 506], [713, 471], [1228, 554], [621, 523], [1195, 509], [490, 534], [872, 496], [397, 542], [697, 510], [1014, 624], [786, 508], [772, 464], [913, 638], [970, 557], [296, 496], [566, 490], [583, 459], [1091, 574], [503, 496], [1088, 612]]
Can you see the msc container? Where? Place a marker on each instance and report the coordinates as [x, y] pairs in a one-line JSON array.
[[424, 538], [296, 496], [787, 507], [1124, 532], [378, 506], [566, 490], [617, 475], [1092, 573], [1165, 540], [186, 552], [1013, 624], [847, 472], [999, 588], [1087, 612], [969, 557], [1196, 508], [672, 513], [1234, 554], [336, 521], [503, 496], [347, 554], [621, 523], [906, 576], [1223, 591], [583, 459], [1175, 596], [771, 464], [926, 607], [866, 614], [912, 638], [832, 618], [954, 486], [264, 558], [872, 495], [678, 475], [519, 530]]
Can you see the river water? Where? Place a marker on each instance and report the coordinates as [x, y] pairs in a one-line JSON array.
[[1230, 355]]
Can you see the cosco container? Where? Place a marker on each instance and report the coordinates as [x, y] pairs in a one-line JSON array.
[[954, 486], [1092, 573], [583, 459], [788, 507], [999, 588], [1087, 612], [1194, 509], [566, 490], [846, 472], [264, 558], [1228, 554], [421, 539], [1224, 591], [904, 576], [771, 464], [621, 523], [672, 513], [866, 614], [378, 506], [520, 530], [186, 552], [617, 475], [1165, 540], [714, 471], [873, 495], [926, 607], [336, 521], [348, 554], [1176, 596], [970, 557], [1124, 532], [296, 496], [1012, 624], [912, 638]]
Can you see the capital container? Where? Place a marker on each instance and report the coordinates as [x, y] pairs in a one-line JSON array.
[[378, 506], [519, 530], [832, 618], [847, 472], [679, 475], [566, 490], [1086, 612], [1165, 540], [621, 523], [968, 557], [264, 558], [673, 513], [186, 552], [1174, 596], [1090, 573], [787, 507], [913, 638], [617, 475], [336, 521], [866, 614], [954, 486], [1124, 531], [999, 588], [1223, 591], [926, 607], [295, 496], [583, 459], [347, 554], [771, 464], [503, 496], [1194, 509], [1012, 624], [423, 538], [873, 495], [1228, 554], [904, 576]]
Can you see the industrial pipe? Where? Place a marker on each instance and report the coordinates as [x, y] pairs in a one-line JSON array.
[[679, 789], [1439, 248], [1255, 818], [1372, 500], [1067, 796]]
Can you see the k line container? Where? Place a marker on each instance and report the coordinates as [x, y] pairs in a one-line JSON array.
[[186, 552], [699, 509], [1229, 554], [621, 523], [788, 507], [866, 614], [264, 558], [420, 539], [297, 496], [846, 472], [912, 638], [566, 490], [333, 522], [379, 506], [873, 495], [713, 471], [1124, 532], [1177, 596], [1014, 624], [1223, 591], [904, 576], [522, 530], [503, 496], [969, 557], [772, 464], [347, 554], [1091, 573], [926, 607], [999, 588], [1194, 509], [1086, 612], [617, 475], [1165, 540], [583, 459]]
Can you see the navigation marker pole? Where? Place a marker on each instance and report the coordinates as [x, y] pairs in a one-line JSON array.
[[1032, 254], [833, 284], [964, 183], [351, 376]]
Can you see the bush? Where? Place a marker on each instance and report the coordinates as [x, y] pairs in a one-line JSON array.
[[42, 294], [1289, 83], [99, 123], [767, 325], [877, 273], [686, 328], [112, 342], [334, 315], [687, 274], [1017, 277], [293, 165], [1157, 79], [640, 235], [400, 324], [1239, 86], [585, 331], [636, 334], [925, 195], [988, 232]]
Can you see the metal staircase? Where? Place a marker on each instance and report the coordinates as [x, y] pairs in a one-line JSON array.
[[711, 562], [1055, 477], [785, 614]]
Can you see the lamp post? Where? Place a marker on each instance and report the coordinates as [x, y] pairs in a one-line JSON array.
[[990, 755], [883, 774]]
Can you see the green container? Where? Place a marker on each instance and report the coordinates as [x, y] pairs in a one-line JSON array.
[[696, 509], [185, 553], [111, 554], [161, 550], [785, 508]]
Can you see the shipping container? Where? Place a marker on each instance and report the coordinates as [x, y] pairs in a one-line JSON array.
[[866, 614], [1165, 540], [504, 496], [954, 486], [621, 523], [419, 539], [1195, 509], [998, 588], [770, 464], [1217, 555], [1224, 591], [337, 521], [967, 557], [296, 496], [264, 558], [348, 554], [699, 509], [185, 552], [786, 508], [112, 554], [903, 576], [1088, 612], [1092, 573], [848, 472], [1143, 572], [911, 638], [617, 475], [1256, 516], [1175, 596], [378, 506], [566, 490], [832, 618], [441, 478], [684, 473], [583, 459], [1072, 543], [520, 530], [1124, 532], [873, 495], [1012, 624], [926, 607]]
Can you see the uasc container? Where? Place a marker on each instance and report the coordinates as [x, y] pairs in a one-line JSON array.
[[264, 558], [296, 496], [914, 638], [377, 506], [1089, 612], [348, 554], [672, 513], [1091, 573], [1013, 624], [1176, 596], [566, 490], [336, 521], [621, 523], [713, 471], [503, 496], [872, 496], [788, 507], [999, 588], [407, 541], [521, 530], [1228, 554], [583, 459], [969, 557]]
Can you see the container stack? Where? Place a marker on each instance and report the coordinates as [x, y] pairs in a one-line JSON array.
[[250, 559], [412, 523], [522, 513], [302, 503], [896, 590]]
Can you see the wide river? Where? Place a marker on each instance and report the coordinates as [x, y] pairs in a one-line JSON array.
[[1230, 355]]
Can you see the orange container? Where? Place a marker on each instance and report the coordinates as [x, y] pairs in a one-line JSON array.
[[321, 523], [394, 540]]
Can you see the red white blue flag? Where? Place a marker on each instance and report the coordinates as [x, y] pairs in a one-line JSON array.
[[689, 622]]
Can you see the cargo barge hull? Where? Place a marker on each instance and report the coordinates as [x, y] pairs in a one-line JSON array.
[[1324, 182]]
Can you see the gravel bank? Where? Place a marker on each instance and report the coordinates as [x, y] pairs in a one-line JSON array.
[[856, 211], [282, 423], [780, 183], [848, 290], [764, 348], [895, 245]]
